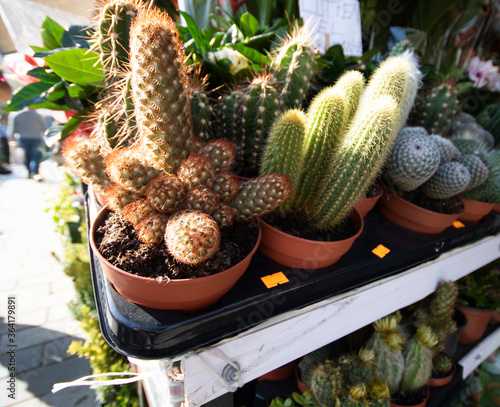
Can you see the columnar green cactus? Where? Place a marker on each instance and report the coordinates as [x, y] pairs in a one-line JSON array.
[[201, 112], [192, 237], [386, 343], [418, 359], [261, 195], [259, 104], [293, 65], [160, 85], [283, 149], [327, 119], [326, 383], [449, 180], [413, 160]]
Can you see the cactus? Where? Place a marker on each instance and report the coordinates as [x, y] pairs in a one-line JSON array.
[[449, 180], [358, 368], [118, 197], [202, 199], [197, 170], [442, 364], [418, 359], [192, 236], [327, 119], [470, 146], [447, 150], [221, 153], [151, 229], [489, 119], [282, 151], [438, 107], [165, 193], [293, 67], [261, 195], [201, 111], [472, 131], [386, 343], [488, 191], [159, 85], [357, 162], [326, 383], [477, 168], [410, 131], [413, 160]]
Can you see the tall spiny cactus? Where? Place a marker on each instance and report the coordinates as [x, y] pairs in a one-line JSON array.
[[327, 119], [160, 86]]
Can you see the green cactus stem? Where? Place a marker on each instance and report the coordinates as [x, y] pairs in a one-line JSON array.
[[358, 161], [418, 359], [221, 152], [202, 112], [159, 83], [447, 150], [449, 180], [488, 191], [439, 106], [326, 383], [192, 237], [489, 119], [477, 168], [283, 150]]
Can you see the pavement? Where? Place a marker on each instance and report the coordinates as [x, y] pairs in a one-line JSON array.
[[33, 278]]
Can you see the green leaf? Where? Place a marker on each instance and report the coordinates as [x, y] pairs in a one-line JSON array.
[[27, 95], [44, 75], [80, 92], [249, 24], [58, 91], [77, 36], [252, 54], [74, 122], [52, 34], [195, 32], [77, 65], [38, 49]]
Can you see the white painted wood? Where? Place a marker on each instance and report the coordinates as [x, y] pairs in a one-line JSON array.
[[480, 352], [286, 337]]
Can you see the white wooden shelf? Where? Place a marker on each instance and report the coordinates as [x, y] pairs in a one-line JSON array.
[[288, 336], [480, 352]]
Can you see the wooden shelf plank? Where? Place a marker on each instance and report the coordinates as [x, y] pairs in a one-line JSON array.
[[480, 352]]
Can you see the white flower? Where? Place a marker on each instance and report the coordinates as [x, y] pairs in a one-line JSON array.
[[484, 74], [238, 60]]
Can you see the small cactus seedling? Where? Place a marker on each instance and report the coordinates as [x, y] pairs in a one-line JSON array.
[[442, 363]]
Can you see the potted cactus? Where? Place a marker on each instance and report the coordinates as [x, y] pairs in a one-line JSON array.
[[333, 153], [168, 193], [426, 174]]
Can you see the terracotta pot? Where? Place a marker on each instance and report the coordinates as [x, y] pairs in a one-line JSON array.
[[495, 318], [365, 205], [421, 404], [300, 384], [477, 321], [291, 251], [442, 381], [475, 210], [496, 208], [282, 373], [187, 295], [413, 217]]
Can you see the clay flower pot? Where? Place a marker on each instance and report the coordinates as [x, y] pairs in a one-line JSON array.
[[495, 318], [281, 373], [292, 251], [421, 404], [475, 210], [477, 321], [496, 208], [442, 381], [365, 205], [186, 295], [300, 384], [413, 217]]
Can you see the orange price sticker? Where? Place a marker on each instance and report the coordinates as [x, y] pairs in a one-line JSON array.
[[275, 279], [457, 224], [380, 251]]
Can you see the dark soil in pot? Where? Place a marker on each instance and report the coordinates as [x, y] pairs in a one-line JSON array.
[[448, 206], [296, 225], [117, 242], [410, 398]]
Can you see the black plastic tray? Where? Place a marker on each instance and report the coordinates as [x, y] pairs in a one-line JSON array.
[[146, 333]]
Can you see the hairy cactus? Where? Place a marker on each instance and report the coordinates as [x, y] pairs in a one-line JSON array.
[[226, 186], [477, 168], [118, 197], [386, 343], [159, 85], [413, 160], [221, 153], [85, 158], [449, 180], [197, 170], [418, 359], [151, 229], [192, 236], [283, 150], [202, 199], [447, 150], [261, 195], [137, 211], [327, 119], [293, 65], [358, 368], [470, 146], [165, 193], [326, 383], [442, 363]]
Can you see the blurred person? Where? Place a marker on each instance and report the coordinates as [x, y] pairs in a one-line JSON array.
[[27, 128]]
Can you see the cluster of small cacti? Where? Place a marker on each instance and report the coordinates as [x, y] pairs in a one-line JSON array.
[[170, 185], [347, 134], [433, 165]]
